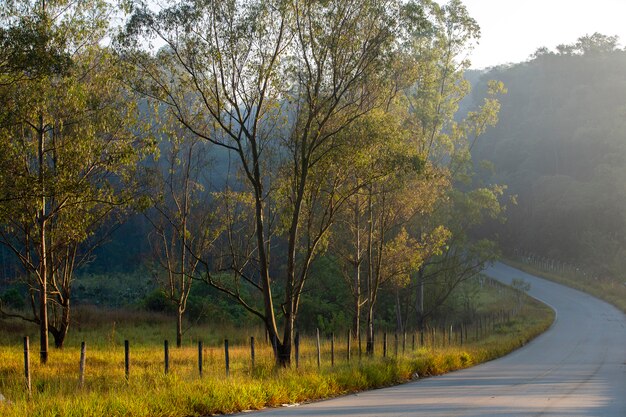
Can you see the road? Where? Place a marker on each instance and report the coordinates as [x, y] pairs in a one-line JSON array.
[[576, 368]]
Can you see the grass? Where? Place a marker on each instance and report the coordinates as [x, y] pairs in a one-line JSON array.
[[182, 392], [610, 290]]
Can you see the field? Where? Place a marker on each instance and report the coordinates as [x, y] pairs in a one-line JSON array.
[[506, 321]]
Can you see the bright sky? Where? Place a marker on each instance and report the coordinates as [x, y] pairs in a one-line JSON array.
[[512, 30]]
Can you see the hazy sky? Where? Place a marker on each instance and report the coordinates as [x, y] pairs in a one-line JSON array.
[[513, 29]]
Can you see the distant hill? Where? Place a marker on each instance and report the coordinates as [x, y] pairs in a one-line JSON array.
[[560, 145]]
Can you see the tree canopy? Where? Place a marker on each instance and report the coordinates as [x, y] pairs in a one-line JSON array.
[[560, 146], [295, 137]]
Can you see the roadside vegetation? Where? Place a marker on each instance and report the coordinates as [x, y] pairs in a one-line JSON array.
[[506, 320], [294, 164], [609, 289]]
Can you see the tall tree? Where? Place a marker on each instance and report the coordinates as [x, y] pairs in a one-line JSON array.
[[180, 205], [67, 146], [228, 73], [439, 60], [396, 185]]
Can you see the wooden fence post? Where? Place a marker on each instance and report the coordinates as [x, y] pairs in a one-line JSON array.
[[319, 353], [127, 360], [252, 350], [166, 356], [200, 358], [227, 358], [348, 346], [385, 345], [296, 343], [332, 349], [27, 366], [81, 368]]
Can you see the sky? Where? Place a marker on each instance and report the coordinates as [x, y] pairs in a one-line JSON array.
[[512, 30]]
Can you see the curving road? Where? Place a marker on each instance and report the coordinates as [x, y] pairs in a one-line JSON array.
[[576, 368]]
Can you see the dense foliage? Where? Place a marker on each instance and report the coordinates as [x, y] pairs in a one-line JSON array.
[[70, 140], [560, 146], [302, 145]]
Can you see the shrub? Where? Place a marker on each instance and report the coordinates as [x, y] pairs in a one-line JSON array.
[[157, 301], [12, 298]]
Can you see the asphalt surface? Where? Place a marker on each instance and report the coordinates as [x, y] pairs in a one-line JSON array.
[[576, 368]]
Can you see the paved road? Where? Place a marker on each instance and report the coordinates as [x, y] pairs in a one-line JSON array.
[[577, 368]]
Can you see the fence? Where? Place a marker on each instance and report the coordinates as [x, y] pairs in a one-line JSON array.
[[553, 265], [310, 352]]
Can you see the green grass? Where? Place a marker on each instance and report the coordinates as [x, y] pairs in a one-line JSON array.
[[182, 392], [607, 289]]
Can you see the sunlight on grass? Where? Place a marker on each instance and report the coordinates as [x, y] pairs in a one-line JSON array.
[[149, 392], [608, 289]]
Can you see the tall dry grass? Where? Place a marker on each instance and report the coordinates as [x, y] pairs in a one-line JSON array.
[[149, 392]]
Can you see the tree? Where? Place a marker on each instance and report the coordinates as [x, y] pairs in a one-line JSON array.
[[273, 82], [596, 44], [67, 147], [588, 45], [396, 185], [440, 62], [180, 204], [464, 256], [467, 207]]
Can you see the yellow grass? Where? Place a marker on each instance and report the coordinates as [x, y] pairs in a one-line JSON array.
[[148, 392]]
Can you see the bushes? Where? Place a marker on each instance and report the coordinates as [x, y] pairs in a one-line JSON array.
[[157, 301], [13, 299]]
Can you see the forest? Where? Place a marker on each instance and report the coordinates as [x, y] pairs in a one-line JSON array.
[[295, 162], [560, 147]]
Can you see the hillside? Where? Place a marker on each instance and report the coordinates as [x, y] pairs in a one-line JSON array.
[[560, 146]]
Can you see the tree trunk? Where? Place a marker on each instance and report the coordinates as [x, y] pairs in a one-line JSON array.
[[399, 326], [283, 354], [59, 332], [43, 253], [356, 322], [356, 325], [183, 247], [268, 302], [419, 303], [369, 345], [43, 319], [281, 349], [59, 335], [179, 328], [371, 286]]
